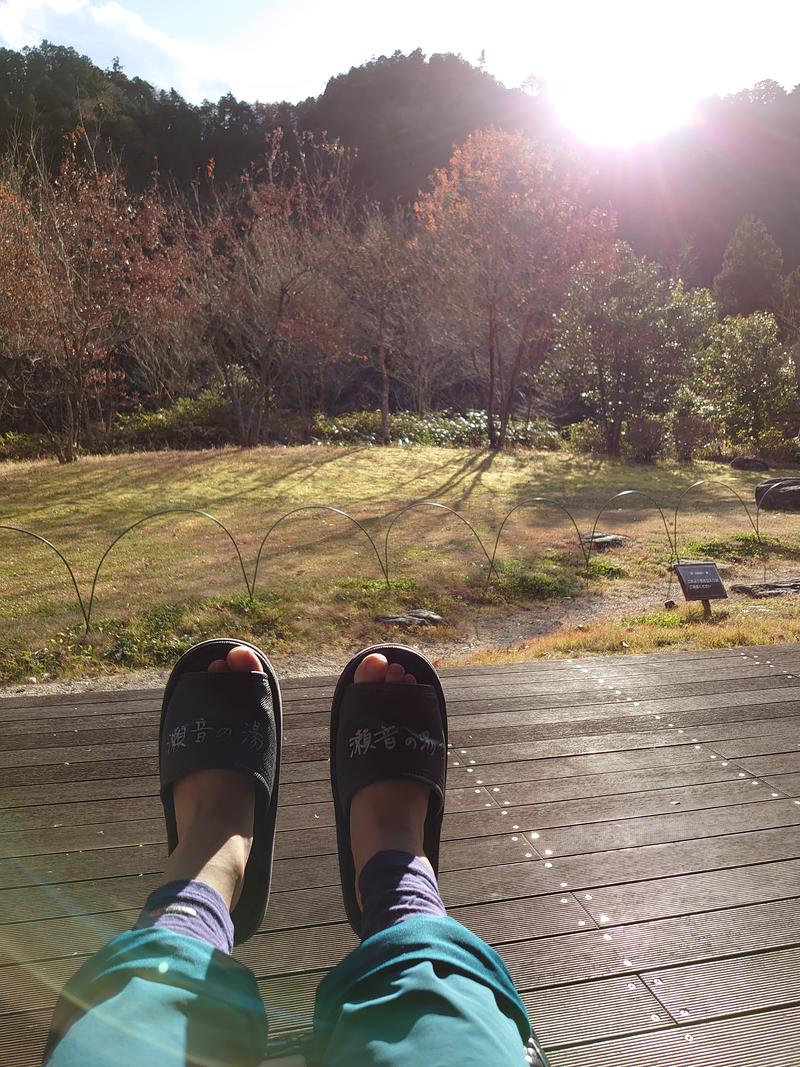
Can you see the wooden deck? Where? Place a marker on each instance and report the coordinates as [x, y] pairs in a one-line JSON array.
[[625, 831]]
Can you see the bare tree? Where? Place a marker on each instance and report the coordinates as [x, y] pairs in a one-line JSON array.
[[260, 268]]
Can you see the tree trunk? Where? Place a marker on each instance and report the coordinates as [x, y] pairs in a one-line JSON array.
[[257, 421], [508, 400], [109, 414], [384, 395], [238, 410], [384, 373], [614, 437], [68, 446], [490, 392]]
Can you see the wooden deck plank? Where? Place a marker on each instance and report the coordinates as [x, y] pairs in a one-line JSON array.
[[465, 696], [66, 794], [775, 763], [736, 809], [562, 847], [590, 1011], [688, 893], [624, 833], [292, 814], [709, 935], [728, 987], [769, 1039], [643, 862], [787, 783]]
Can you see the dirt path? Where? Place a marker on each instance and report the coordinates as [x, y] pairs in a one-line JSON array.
[[491, 629]]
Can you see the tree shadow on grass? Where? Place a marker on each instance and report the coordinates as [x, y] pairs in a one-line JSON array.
[[466, 477]]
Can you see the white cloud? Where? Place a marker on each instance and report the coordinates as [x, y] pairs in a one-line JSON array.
[[289, 54], [105, 30]]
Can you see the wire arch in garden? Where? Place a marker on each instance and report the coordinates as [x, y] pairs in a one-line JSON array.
[[729, 489], [64, 560], [625, 494], [531, 502], [439, 507], [157, 515], [316, 507]]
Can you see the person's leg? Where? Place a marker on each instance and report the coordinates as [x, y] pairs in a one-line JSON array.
[[167, 993], [420, 988]]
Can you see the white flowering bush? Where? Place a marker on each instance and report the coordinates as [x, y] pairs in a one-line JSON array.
[[453, 429]]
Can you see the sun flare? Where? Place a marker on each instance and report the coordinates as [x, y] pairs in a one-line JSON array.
[[622, 72], [609, 114]]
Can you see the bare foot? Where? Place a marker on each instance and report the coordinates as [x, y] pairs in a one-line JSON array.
[[389, 814], [214, 813]]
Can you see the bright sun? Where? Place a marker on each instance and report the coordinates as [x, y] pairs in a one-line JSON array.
[[622, 72], [612, 115]]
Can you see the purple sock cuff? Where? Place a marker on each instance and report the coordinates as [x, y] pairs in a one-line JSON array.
[[190, 908], [396, 886]]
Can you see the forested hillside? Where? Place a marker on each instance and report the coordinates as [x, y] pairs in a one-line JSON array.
[[417, 239], [677, 199]]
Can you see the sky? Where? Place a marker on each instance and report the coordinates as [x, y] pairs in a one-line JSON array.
[[617, 71]]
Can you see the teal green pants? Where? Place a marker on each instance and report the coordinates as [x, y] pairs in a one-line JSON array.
[[424, 993]]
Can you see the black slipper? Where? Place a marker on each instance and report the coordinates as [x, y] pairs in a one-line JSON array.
[[383, 730], [226, 719]]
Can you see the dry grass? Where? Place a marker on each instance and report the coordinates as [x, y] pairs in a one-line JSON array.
[[177, 577], [683, 628]]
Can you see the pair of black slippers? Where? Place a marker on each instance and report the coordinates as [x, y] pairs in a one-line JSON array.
[[233, 720]]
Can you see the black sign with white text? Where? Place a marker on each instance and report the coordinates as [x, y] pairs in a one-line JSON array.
[[700, 581]]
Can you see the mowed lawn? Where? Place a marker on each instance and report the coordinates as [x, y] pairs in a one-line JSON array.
[[176, 578]]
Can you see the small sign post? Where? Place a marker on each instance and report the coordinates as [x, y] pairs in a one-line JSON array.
[[701, 581]]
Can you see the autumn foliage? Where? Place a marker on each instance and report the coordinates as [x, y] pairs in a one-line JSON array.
[[514, 221], [286, 294]]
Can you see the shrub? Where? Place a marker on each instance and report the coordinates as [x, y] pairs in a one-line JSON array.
[[690, 433], [691, 423], [644, 438], [535, 433], [350, 428], [191, 422], [24, 446], [600, 567], [436, 428], [586, 437], [774, 446]]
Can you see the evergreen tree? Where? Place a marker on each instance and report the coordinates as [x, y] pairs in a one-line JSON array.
[[751, 278]]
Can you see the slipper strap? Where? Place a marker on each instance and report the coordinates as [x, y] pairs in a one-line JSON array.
[[219, 720], [390, 731]]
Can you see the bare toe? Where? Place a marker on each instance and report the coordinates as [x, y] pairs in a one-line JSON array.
[[218, 665], [395, 673], [244, 659], [410, 679], [372, 668]]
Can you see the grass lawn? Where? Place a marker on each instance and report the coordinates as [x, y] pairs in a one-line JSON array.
[[177, 579]]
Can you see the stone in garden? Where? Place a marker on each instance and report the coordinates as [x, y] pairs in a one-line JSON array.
[[763, 590], [786, 497], [415, 617], [600, 542], [744, 463]]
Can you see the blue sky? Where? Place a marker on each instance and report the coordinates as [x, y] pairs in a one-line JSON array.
[[618, 70], [211, 20]]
